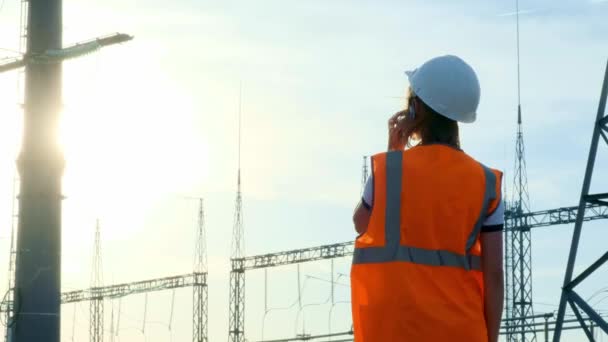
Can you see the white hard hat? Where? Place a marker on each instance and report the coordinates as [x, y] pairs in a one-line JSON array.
[[449, 86]]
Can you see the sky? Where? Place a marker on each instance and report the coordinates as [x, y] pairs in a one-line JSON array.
[[150, 124]]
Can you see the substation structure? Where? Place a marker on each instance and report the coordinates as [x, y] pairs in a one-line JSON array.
[[198, 281], [545, 327], [569, 295], [237, 280], [241, 265], [97, 294]]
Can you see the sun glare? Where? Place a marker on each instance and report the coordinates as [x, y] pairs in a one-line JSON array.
[[128, 151]]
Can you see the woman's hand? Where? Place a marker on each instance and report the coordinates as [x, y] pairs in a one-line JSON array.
[[396, 131]]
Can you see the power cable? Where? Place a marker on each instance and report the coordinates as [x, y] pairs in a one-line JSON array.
[[327, 281], [330, 297], [304, 284], [299, 289], [171, 314], [112, 323], [74, 322], [301, 310], [118, 318], [333, 302], [143, 328]]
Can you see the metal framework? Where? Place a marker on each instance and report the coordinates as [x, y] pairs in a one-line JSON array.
[[199, 293], [600, 129], [296, 256], [308, 337], [545, 327], [565, 215], [138, 287], [10, 293], [518, 251], [50, 56], [97, 294], [508, 262], [96, 305], [236, 323], [240, 265], [236, 312]]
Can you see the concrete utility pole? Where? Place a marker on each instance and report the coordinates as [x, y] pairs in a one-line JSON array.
[[40, 165]]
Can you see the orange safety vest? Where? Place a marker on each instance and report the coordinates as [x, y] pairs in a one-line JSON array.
[[416, 273]]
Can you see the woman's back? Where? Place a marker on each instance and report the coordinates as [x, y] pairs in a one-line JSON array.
[[432, 289]]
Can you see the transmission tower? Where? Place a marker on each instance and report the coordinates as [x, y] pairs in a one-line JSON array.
[[200, 290], [96, 304], [569, 295], [508, 265], [519, 251], [10, 294], [237, 275]]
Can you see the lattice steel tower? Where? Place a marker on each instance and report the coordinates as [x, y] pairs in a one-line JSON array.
[[237, 276], [96, 305], [519, 250], [200, 316]]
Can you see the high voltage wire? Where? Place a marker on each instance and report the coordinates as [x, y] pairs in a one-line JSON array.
[[301, 287]]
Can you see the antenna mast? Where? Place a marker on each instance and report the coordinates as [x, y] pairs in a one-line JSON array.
[[238, 236], [200, 317], [237, 275], [96, 305], [519, 252]]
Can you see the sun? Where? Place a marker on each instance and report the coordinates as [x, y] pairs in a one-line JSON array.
[[128, 142]]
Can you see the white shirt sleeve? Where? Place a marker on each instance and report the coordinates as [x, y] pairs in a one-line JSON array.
[[496, 218]]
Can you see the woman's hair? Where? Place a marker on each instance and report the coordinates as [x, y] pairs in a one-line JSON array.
[[428, 126]]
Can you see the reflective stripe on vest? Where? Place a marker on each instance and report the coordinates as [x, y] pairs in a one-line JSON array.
[[393, 251]]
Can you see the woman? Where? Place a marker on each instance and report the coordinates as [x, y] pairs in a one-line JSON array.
[[428, 260]]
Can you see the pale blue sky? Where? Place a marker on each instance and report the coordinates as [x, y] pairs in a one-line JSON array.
[[155, 119]]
